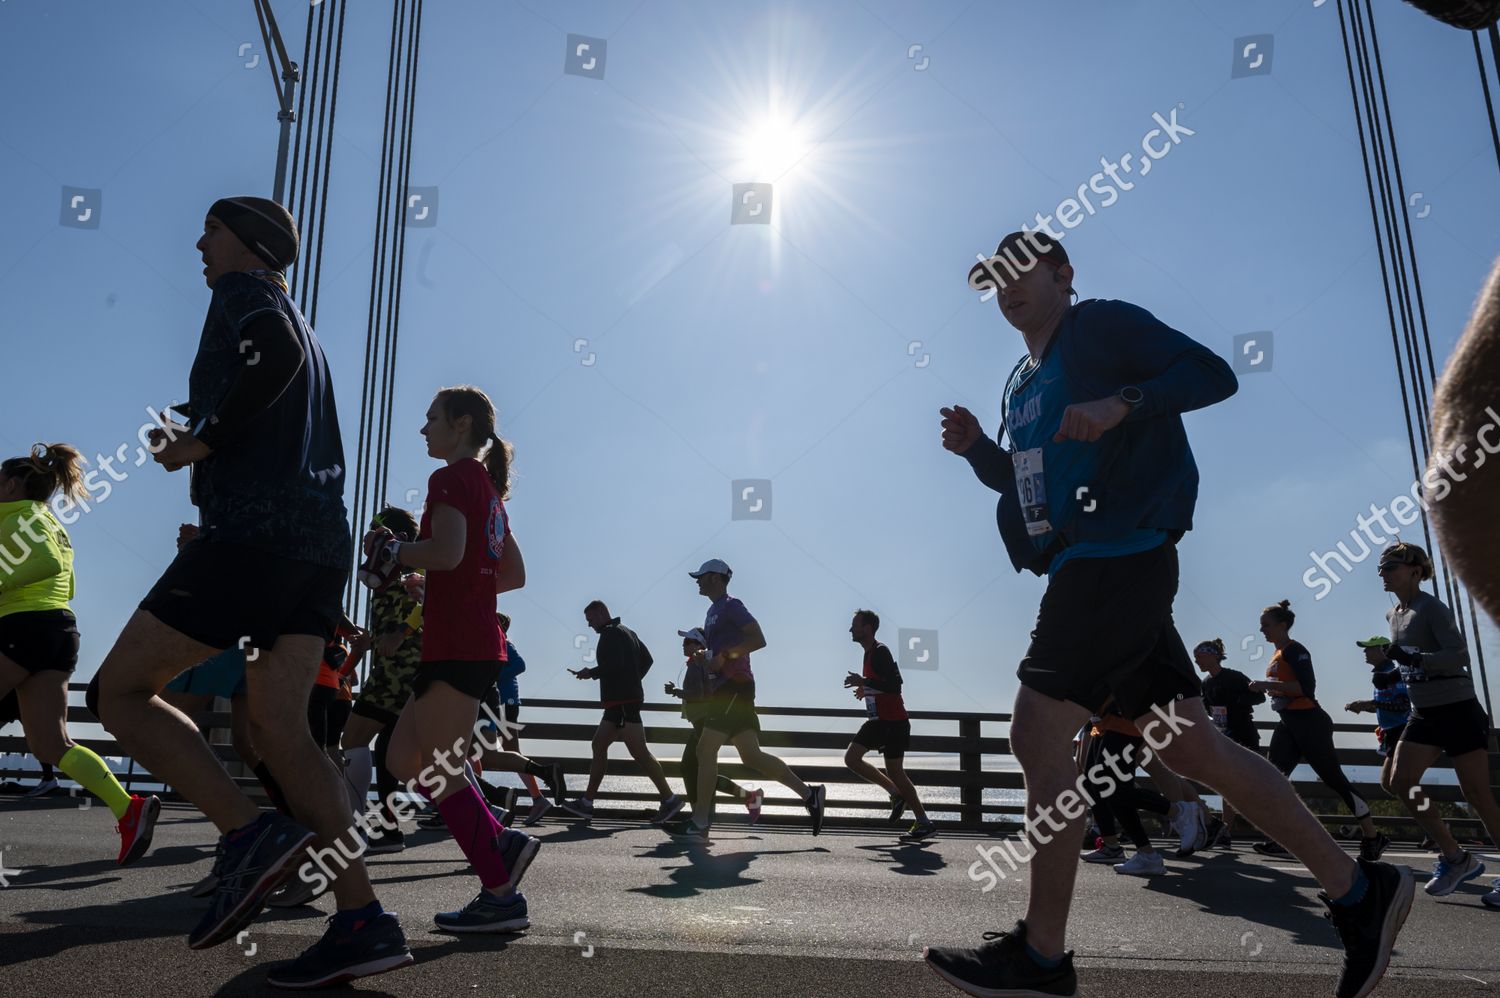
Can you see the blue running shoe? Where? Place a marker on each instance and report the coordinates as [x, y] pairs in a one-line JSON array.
[[487, 913], [517, 850], [251, 866], [345, 953]]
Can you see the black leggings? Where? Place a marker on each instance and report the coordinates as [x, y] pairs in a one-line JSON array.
[[1307, 736], [1127, 800]]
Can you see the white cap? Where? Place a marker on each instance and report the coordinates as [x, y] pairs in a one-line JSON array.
[[696, 634], [712, 565]]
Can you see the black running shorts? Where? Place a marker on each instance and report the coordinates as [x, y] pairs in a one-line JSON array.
[[38, 640], [733, 710], [1456, 728], [469, 678], [1105, 628], [622, 714], [889, 737], [220, 594]]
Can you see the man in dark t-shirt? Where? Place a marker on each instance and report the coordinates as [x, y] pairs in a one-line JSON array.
[[266, 573], [888, 727]]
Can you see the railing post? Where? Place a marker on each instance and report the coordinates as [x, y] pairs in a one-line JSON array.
[[970, 794]]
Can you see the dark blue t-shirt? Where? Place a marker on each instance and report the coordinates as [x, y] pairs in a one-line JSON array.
[[278, 486], [1050, 475]]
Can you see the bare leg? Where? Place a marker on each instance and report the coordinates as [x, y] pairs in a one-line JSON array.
[[635, 741]]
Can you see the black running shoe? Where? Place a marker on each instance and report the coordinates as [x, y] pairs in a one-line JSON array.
[[384, 840], [1269, 848], [1371, 849], [1000, 967], [252, 868], [898, 808], [685, 831], [816, 797], [372, 947], [1368, 929]]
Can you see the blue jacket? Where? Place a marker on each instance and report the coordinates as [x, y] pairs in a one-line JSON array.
[[1148, 476]]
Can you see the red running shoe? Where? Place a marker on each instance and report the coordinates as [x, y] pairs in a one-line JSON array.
[[136, 827]]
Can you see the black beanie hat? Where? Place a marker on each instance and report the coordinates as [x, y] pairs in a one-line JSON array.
[[265, 227]]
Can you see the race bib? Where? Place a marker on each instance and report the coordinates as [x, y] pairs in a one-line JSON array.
[[1221, 718], [870, 705], [1031, 486]]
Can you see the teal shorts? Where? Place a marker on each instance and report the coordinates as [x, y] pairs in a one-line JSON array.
[[220, 676]]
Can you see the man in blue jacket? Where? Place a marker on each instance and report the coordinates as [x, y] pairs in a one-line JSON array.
[[1096, 487]]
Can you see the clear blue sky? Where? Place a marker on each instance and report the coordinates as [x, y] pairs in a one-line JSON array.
[[581, 209]]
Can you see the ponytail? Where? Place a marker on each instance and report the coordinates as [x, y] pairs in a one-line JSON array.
[[48, 469], [497, 454], [1282, 613]]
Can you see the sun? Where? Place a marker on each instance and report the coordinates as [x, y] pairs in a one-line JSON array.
[[772, 148]]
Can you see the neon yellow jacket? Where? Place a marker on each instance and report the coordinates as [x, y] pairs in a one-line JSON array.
[[36, 559]]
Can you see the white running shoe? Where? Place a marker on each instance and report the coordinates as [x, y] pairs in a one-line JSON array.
[[1191, 829], [1492, 899], [1447, 876], [1143, 864], [42, 789]]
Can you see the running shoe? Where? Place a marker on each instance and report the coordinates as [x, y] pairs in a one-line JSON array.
[[42, 789], [431, 818], [1447, 876], [1192, 833], [502, 817], [580, 808], [753, 801], [556, 782], [1492, 899], [210, 883], [254, 863], [668, 810], [1215, 826], [345, 953], [305, 888], [1143, 864], [686, 831], [517, 850], [508, 798], [816, 798], [1372, 848], [382, 840], [539, 809], [1269, 848], [1105, 854], [1000, 966], [920, 831], [898, 807], [135, 828], [1223, 840], [1368, 929], [487, 913]]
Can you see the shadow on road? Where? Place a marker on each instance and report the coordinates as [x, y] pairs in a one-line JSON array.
[[912, 859], [705, 871]]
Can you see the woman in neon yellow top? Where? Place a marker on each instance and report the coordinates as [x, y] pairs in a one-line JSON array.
[[39, 635]]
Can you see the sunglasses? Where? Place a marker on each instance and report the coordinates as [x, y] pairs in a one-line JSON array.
[[1389, 566]]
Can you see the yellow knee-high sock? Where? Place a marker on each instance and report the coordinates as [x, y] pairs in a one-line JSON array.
[[86, 769]]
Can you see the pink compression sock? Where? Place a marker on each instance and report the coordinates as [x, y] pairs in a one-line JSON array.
[[477, 833]]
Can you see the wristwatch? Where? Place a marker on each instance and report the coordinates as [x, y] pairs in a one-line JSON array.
[[1131, 396]]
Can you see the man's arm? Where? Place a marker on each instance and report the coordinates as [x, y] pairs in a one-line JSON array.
[[273, 356], [1464, 415], [1174, 372], [887, 677], [992, 465], [752, 640]]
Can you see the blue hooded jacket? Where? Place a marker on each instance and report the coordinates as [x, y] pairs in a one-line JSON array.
[[1148, 477]]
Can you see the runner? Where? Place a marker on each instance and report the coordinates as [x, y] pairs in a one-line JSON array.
[[623, 660], [39, 634], [888, 729], [1230, 700], [263, 437], [697, 704], [1112, 750], [733, 636], [466, 547], [1305, 731], [1097, 488], [395, 619], [1390, 704], [1428, 647]]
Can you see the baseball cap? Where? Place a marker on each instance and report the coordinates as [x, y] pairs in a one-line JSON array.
[[1017, 253], [1378, 641], [712, 565], [695, 634]]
